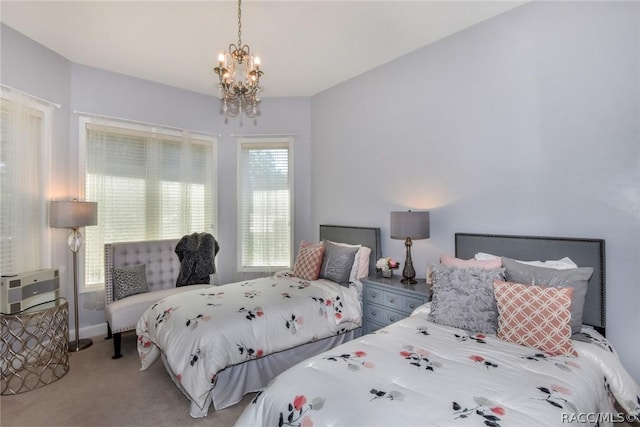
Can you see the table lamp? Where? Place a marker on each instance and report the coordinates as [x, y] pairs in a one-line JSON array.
[[409, 226]]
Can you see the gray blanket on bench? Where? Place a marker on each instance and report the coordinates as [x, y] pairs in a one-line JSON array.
[[196, 253]]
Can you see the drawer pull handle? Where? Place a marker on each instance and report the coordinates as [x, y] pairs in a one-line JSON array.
[[412, 305], [391, 299], [392, 319], [373, 294], [373, 313]]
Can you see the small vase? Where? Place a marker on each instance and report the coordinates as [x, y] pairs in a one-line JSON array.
[[387, 273]]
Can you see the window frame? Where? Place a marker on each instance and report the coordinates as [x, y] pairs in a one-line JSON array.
[[45, 162], [128, 126], [265, 142]]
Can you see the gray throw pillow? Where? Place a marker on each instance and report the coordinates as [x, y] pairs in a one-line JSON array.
[[576, 278], [337, 262], [463, 298], [129, 280]]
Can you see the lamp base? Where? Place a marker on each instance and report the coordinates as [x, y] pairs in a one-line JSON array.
[[83, 344], [408, 272]]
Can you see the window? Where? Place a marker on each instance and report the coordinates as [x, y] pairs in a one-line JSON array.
[[25, 155], [149, 183], [265, 203]]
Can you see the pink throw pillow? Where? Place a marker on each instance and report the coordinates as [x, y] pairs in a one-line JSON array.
[[305, 243], [470, 263], [535, 316], [308, 261]]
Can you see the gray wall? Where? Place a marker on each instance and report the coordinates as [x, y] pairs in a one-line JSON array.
[[30, 67], [524, 124]]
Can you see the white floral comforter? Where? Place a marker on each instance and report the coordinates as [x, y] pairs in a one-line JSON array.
[[418, 373], [203, 331]]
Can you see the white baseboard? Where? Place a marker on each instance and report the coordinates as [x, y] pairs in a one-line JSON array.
[[99, 330]]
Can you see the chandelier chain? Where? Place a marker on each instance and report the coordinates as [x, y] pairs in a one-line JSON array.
[[239, 25]]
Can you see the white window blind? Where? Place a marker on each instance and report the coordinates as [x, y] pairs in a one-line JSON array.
[[25, 155], [149, 184], [265, 203]]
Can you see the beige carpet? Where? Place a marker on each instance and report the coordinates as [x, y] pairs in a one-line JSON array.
[[100, 391]]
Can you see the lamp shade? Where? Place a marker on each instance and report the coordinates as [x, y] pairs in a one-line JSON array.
[[73, 214], [410, 224]]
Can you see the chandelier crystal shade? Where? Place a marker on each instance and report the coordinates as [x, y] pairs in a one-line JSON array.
[[239, 77]]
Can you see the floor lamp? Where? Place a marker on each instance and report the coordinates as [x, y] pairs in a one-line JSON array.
[[73, 215], [407, 226]]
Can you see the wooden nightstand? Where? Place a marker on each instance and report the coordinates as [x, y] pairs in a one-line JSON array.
[[387, 300]]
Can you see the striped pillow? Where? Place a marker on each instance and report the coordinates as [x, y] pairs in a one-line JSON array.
[[535, 316], [308, 262]]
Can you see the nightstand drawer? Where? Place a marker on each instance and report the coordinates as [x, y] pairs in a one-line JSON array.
[[404, 303], [373, 295], [380, 315]]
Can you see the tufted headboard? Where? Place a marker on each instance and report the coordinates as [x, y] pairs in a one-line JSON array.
[[162, 263]]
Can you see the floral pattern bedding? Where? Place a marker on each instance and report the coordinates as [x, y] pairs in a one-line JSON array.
[[203, 331], [418, 373]]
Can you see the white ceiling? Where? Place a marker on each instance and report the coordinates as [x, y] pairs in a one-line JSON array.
[[305, 46]]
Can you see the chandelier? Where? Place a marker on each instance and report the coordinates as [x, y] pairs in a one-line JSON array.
[[239, 77]]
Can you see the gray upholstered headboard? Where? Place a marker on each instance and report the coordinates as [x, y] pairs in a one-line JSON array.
[[365, 236], [584, 252]]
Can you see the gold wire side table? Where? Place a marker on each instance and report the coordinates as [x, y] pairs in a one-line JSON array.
[[34, 347]]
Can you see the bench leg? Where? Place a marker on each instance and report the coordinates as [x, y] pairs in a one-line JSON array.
[[117, 341], [109, 334]]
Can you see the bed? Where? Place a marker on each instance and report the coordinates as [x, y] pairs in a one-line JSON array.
[[219, 343], [420, 372]]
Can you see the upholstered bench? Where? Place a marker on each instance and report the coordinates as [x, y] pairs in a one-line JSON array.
[[161, 269]]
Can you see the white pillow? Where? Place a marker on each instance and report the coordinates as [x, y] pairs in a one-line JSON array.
[[422, 310], [560, 264], [363, 262], [360, 267], [481, 256]]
